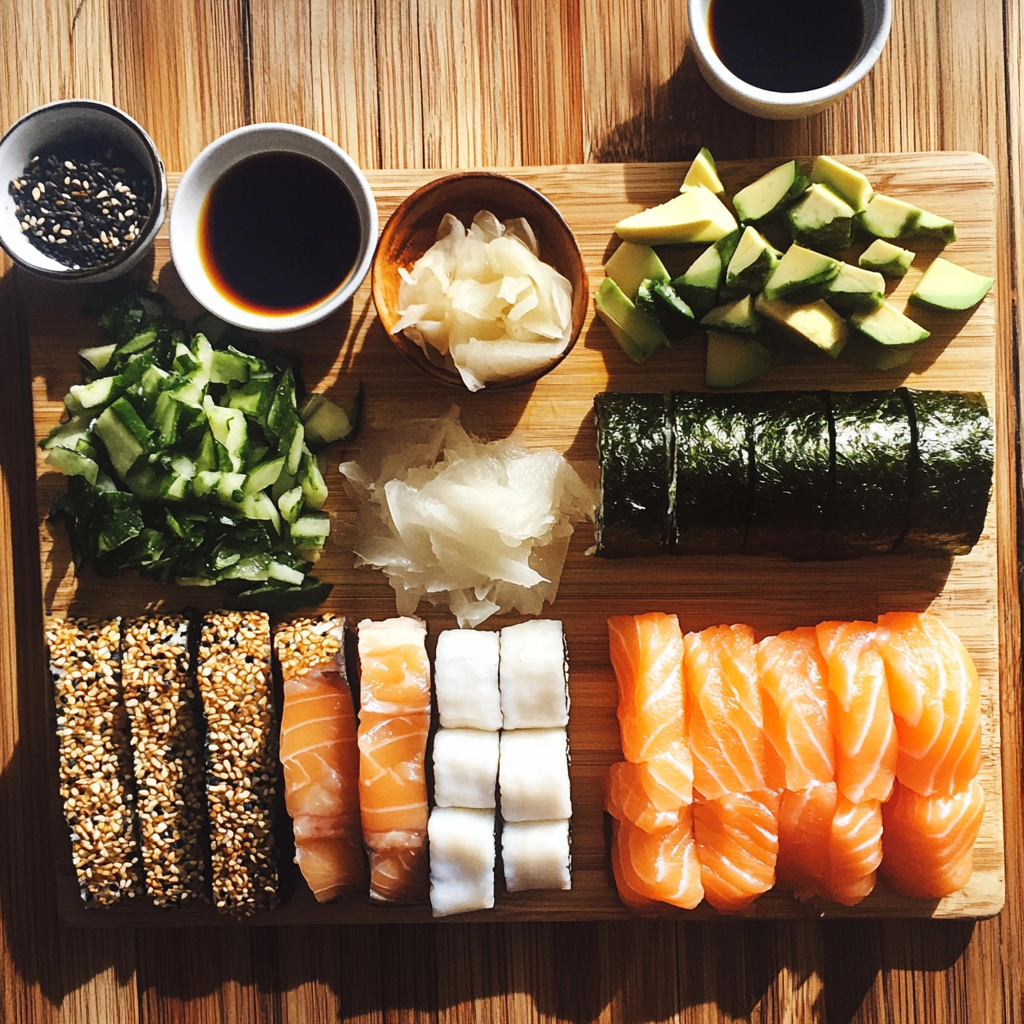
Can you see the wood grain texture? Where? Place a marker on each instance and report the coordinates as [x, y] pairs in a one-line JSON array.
[[949, 78]]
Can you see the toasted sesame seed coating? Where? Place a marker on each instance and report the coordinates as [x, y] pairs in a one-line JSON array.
[[234, 682], [95, 757], [160, 698], [303, 644]]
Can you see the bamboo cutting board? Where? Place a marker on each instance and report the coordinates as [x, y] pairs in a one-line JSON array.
[[770, 594]]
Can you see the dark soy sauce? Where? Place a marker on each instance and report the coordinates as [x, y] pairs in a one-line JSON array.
[[278, 233], [787, 45]]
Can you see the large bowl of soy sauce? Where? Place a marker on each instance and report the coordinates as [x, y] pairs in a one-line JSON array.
[[788, 58], [273, 227]]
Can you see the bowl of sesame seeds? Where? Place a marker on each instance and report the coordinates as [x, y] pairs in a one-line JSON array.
[[82, 191]]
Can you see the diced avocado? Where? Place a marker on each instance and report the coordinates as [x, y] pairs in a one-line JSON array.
[[698, 286], [855, 290], [886, 258], [736, 317], [847, 183], [674, 315], [613, 307], [814, 322], [888, 326], [931, 226], [97, 357], [124, 435], [704, 172], [944, 285], [771, 193], [865, 352], [73, 463], [631, 264], [733, 360], [627, 344], [751, 265], [885, 217], [821, 219], [798, 271], [697, 215]]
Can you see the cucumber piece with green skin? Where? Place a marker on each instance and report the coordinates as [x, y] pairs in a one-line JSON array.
[[97, 357], [732, 360], [885, 258], [290, 504], [799, 271], [813, 322], [751, 265], [945, 285], [673, 313], [123, 434], [855, 290], [259, 506], [821, 219], [285, 573], [632, 264], [68, 434], [206, 482], [229, 430], [295, 451], [231, 488], [227, 367], [888, 326], [97, 394], [713, 473], [263, 476], [952, 481], [206, 457], [644, 303], [635, 452], [737, 317], [850, 185], [886, 217], [613, 306], [873, 450], [865, 352], [696, 215], [311, 481], [73, 463], [325, 422], [770, 194], [704, 172], [311, 527], [792, 457]]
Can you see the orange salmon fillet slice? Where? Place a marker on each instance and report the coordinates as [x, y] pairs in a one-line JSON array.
[[392, 779], [854, 852], [399, 866], [805, 830], [663, 865], [394, 671], [625, 799]]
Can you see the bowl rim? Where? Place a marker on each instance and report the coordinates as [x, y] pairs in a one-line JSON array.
[[419, 359], [156, 215]]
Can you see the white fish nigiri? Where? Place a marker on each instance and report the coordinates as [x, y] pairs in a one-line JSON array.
[[462, 856], [536, 855], [466, 680], [465, 768], [533, 775], [534, 675]]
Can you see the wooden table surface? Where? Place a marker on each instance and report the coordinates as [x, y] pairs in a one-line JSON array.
[[428, 83]]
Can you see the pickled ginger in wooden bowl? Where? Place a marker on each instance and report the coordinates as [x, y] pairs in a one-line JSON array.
[[532, 317]]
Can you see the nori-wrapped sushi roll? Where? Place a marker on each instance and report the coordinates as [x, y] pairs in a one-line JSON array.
[[634, 440], [952, 476], [792, 461], [873, 446], [713, 473]]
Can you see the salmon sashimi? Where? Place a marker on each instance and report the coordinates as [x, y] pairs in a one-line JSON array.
[[394, 671], [862, 722], [663, 865], [794, 692], [647, 655], [319, 755], [936, 701], [626, 799], [929, 840], [629, 896], [805, 830], [724, 711], [392, 777], [399, 866], [854, 851], [737, 840]]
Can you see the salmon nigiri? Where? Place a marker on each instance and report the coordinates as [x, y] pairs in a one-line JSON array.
[[862, 722], [724, 711], [319, 756], [805, 831], [626, 798], [854, 851], [936, 701], [929, 840], [661, 865], [628, 895]]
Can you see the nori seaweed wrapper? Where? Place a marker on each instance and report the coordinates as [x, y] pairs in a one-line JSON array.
[[954, 447], [873, 447], [713, 473], [792, 452], [634, 440]]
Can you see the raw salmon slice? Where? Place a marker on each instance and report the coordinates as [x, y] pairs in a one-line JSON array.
[[929, 840], [332, 864], [632, 899], [663, 865], [737, 840], [805, 831], [854, 851], [392, 780], [394, 671], [625, 798], [862, 722], [724, 711], [647, 655], [936, 701], [399, 866], [794, 691]]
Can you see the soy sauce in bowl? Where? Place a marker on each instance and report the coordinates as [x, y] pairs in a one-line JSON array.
[[787, 45], [279, 232]]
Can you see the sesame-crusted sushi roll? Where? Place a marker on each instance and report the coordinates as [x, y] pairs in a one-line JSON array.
[[160, 698], [234, 682], [95, 757]]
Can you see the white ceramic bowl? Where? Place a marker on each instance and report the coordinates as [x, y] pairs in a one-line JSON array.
[[49, 127], [781, 106], [195, 186]]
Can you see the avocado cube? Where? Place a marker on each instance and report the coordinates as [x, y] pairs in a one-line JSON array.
[[799, 271], [696, 215], [865, 352], [704, 172], [821, 219], [886, 258], [847, 183], [931, 226], [615, 308], [751, 265], [770, 193], [944, 285], [885, 217], [733, 360], [631, 264], [737, 317], [813, 322], [855, 290], [888, 326]]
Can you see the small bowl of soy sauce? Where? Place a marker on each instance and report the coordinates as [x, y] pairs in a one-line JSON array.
[[273, 227], [789, 58]]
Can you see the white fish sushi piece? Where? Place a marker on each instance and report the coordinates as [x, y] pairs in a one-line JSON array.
[[462, 855], [534, 675], [465, 768], [536, 855], [533, 775], [466, 679]]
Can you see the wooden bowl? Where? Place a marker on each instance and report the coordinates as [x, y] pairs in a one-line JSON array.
[[412, 229]]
